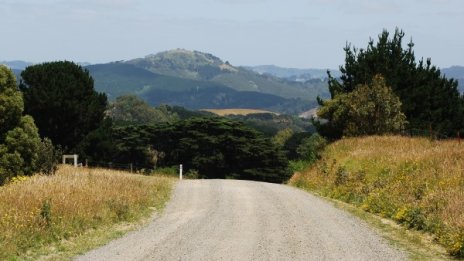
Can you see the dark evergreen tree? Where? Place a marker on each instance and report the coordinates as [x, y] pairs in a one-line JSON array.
[[61, 98], [213, 146], [429, 100]]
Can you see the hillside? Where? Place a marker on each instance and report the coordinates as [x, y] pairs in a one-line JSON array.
[[207, 67], [183, 63], [116, 79], [197, 80], [293, 74], [414, 181]]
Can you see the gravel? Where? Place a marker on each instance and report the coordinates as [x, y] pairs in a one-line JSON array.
[[246, 220]]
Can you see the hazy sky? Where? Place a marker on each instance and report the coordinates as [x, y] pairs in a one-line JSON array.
[[291, 33]]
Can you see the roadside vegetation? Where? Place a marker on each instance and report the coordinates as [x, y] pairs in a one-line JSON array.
[[418, 182], [414, 181], [39, 211]]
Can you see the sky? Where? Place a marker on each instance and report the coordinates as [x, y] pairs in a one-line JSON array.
[[288, 33]]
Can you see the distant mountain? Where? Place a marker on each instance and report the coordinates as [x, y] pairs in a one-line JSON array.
[[116, 79], [184, 64], [199, 80], [16, 65], [456, 72], [196, 65], [293, 74]]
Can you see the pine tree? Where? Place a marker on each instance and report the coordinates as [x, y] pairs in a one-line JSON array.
[[61, 98], [429, 100]]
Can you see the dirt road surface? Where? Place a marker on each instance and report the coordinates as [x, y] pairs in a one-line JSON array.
[[245, 220]]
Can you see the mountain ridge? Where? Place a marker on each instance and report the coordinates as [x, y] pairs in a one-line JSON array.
[[199, 80]]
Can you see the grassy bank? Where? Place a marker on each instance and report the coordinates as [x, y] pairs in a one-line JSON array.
[[414, 181], [44, 210]]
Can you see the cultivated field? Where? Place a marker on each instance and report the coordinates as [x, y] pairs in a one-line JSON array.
[[43, 210], [414, 181]]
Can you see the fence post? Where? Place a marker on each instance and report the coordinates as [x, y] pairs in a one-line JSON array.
[[180, 171], [459, 137]]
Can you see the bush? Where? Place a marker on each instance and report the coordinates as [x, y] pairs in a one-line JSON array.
[[310, 148], [368, 110], [49, 157], [168, 171]]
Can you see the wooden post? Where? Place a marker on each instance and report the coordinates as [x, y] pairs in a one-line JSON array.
[[459, 137], [130, 167]]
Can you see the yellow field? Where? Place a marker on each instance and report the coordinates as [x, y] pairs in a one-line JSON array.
[[224, 112], [41, 210], [414, 181]]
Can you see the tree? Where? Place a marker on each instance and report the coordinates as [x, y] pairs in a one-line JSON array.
[[367, 110], [282, 136], [61, 98], [428, 98], [129, 109], [215, 147], [19, 139], [311, 147]]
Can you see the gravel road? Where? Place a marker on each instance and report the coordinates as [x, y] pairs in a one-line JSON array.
[[245, 220]]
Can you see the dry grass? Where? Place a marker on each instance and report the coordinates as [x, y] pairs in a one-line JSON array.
[[414, 181], [224, 112], [42, 210]]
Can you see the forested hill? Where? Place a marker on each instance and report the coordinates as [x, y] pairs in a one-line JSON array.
[[199, 80], [116, 79], [226, 82]]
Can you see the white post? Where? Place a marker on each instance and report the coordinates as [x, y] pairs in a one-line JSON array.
[[75, 160], [74, 157], [180, 171]]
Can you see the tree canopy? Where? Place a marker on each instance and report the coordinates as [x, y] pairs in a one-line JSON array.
[[429, 100], [215, 147], [61, 98], [19, 139], [129, 109], [367, 110]]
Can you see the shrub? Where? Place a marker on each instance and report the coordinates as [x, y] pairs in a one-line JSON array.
[[310, 148], [49, 157]]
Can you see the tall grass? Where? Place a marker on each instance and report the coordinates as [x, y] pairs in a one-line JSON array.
[[415, 181], [45, 209]]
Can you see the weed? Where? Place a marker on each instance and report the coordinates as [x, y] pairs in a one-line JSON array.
[[46, 213]]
